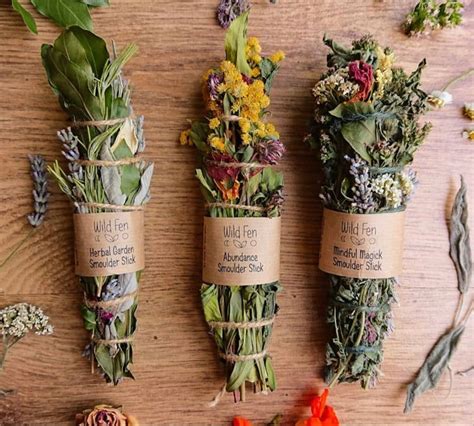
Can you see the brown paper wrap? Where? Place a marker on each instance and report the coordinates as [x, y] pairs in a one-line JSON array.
[[362, 245], [109, 243], [241, 251]]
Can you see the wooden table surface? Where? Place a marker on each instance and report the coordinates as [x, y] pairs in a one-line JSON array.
[[177, 372]]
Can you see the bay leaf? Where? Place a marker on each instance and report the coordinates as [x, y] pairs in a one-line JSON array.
[[96, 3], [25, 15], [434, 366], [459, 239], [66, 13], [360, 135]]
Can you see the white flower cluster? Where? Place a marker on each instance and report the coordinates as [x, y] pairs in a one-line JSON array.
[[397, 189], [337, 86], [17, 320]]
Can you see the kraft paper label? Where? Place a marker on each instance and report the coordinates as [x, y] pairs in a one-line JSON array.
[[109, 243], [241, 251], [362, 245]]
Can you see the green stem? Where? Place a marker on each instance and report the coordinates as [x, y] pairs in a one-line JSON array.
[[17, 247], [461, 77]]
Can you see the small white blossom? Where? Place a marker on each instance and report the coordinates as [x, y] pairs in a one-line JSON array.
[[439, 99], [469, 110], [17, 320]]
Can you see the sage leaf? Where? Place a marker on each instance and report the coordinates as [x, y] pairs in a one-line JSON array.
[[66, 13], [434, 366], [25, 15], [459, 239], [143, 195], [236, 42]]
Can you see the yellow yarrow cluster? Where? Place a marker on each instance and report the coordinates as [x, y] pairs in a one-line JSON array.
[[253, 50], [258, 128], [217, 143], [383, 74], [233, 82], [214, 123], [277, 57], [184, 138]]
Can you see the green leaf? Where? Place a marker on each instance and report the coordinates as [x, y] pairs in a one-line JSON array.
[[272, 178], [96, 3], [204, 183], [130, 179], [26, 16], [459, 239], [236, 42], [66, 13], [360, 135], [434, 366], [89, 318]]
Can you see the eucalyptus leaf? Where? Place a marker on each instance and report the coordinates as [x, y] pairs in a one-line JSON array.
[[66, 13], [434, 366], [459, 239], [25, 15]]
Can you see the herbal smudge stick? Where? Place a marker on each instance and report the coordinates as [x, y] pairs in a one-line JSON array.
[[243, 197], [108, 181], [366, 128]]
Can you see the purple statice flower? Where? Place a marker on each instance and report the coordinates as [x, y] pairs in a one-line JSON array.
[[270, 151], [40, 191], [212, 83], [228, 10]]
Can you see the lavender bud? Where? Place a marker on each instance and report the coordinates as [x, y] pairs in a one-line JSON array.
[[40, 191]]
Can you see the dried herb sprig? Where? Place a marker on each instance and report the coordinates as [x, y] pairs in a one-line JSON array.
[[440, 355], [366, 130], [41, 196], [235, 131], [228, 10], [91, 90], [17, 320], [430, 15]]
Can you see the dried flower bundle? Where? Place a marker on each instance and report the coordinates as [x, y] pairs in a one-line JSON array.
[[104, 174], [237, 148], [105, 415], [367, 132], [17, 320]]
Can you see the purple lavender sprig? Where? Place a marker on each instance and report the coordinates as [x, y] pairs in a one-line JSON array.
[[228, 10], [363, 199], [40, 190]]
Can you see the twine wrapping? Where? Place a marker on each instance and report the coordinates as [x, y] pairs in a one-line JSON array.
[[113, 341], [110, 163], [241, 165], [111, 206], [241, 325], [236, 206], [236, 358], [106, 303], [97, 123]]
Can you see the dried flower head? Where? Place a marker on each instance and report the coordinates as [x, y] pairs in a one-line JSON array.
[[40, 191], [439, 99], [468, 134], [228, 10], [469, 110]]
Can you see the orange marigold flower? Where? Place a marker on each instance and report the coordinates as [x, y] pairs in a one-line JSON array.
[[241, 421]]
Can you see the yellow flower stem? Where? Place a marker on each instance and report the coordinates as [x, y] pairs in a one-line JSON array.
[[458, 78]]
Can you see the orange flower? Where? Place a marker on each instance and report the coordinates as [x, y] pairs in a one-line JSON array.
[[240, 421], [322, 414], [229, 194]]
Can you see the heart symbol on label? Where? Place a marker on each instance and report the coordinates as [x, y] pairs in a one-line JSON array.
[[240, 244], [357, 241]]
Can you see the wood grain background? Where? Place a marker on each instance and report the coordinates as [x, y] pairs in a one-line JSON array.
[[176, 367]]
